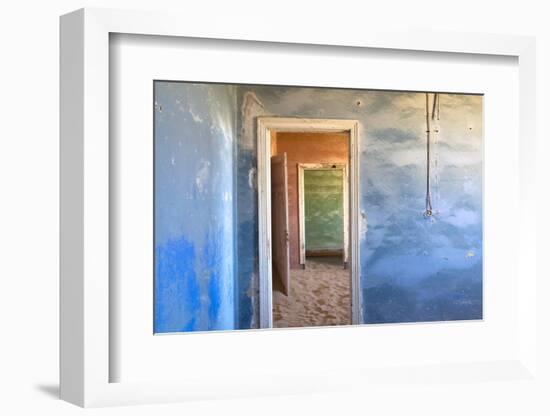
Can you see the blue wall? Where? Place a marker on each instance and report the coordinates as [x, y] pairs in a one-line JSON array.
[[194, 208], [412, 268]]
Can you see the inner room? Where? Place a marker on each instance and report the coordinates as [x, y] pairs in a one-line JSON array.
[[310, 229]]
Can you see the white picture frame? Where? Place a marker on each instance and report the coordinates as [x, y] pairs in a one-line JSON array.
[[85, 263]]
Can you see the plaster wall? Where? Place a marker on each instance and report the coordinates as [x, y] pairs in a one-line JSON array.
[[194, 208]]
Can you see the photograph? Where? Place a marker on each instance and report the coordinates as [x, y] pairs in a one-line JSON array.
[[292, 207]]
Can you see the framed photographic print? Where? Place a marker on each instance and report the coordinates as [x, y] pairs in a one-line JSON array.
[[290, 210]]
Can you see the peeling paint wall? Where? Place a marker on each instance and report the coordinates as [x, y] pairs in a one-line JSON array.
[[412, 268], [194, 209]]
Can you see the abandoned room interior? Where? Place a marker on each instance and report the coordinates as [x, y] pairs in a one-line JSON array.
[[280, 207]]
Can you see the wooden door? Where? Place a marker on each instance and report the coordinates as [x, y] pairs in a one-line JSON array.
[[279, 221]]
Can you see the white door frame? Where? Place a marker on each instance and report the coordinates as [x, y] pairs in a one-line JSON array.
[[302, 167], [266, 126]]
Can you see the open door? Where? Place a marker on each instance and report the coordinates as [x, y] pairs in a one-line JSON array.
[[279, 221]]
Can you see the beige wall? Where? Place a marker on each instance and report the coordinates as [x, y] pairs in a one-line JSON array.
[[307, 148]]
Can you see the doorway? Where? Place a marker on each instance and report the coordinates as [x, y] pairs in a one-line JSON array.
[[323, 211], [291, 272]]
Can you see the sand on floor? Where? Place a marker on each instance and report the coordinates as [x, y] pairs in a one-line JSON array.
[[319, 295]]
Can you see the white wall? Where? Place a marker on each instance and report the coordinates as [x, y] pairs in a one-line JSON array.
[[29, 194]]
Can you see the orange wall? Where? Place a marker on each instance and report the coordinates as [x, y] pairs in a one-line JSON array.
[[307, 148]]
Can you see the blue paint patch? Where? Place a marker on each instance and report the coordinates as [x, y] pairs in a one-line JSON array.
[[213, 264], [215, 301], [177, 292], [191, 326]]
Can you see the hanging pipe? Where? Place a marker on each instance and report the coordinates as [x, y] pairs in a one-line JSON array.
[[428, 212]]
